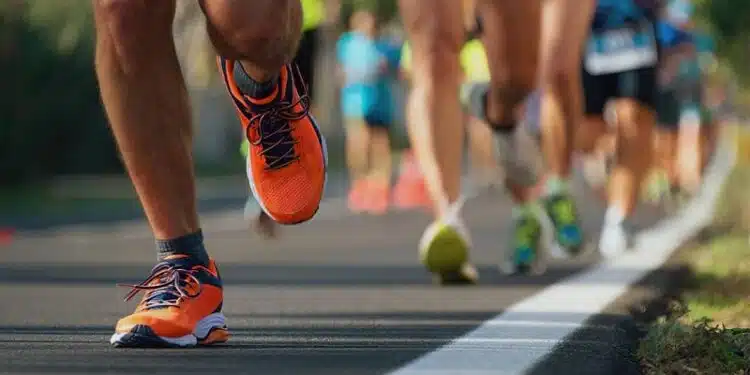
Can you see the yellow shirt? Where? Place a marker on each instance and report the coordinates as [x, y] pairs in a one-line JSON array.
[[473, 61], [313, 13]]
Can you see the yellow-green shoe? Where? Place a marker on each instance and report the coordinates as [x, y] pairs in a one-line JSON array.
[[444, 251]]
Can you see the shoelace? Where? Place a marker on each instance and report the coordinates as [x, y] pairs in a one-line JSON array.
[[165, 286], [272, 129]]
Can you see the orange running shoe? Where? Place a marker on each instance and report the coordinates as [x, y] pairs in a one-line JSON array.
[[377, 198], [410, 190], [287, 158], [181, 308], [357, 194]]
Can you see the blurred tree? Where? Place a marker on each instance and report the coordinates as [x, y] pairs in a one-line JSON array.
[[728, 23], [51, 120]]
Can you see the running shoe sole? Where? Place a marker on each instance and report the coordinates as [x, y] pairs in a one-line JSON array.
[[210, 330]]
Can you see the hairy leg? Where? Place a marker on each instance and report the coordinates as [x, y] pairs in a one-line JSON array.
[[146, 101], [433, 108]]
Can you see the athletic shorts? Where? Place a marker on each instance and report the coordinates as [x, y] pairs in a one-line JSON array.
[[677, 104], [376, 120], [307, 54], [639, 84], [371, 121], [668, 109]]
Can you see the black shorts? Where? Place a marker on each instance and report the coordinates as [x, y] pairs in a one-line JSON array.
[[639, 84], [306, 57], [374, 120], [668, 110]]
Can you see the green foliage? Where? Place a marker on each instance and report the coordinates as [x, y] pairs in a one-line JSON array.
[[51, 120], [672, 347], [728, 23]]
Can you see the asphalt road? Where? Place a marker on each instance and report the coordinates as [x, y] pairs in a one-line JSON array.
[[339, 295]]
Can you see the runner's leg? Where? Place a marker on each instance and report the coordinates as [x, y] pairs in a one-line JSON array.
[[433, 107], [146, 102], [565, 28], [357, 148], [256, 41], [635, 121], [511, 33], [434, 114], [666, 136]]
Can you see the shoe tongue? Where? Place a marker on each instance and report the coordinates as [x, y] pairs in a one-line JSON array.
[[276, 142]]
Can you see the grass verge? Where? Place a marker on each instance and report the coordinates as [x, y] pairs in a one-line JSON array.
[[708, 331]]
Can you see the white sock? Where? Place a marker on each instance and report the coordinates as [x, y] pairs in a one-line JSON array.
[[555, 185], [520, 209], [614, 216]]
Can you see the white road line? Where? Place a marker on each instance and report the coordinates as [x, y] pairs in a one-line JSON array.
[[575, 299], [483, 343]]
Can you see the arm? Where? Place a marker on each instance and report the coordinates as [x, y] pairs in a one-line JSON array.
[[333, 12]]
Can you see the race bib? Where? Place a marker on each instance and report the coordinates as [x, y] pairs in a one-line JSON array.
[[620, 50]]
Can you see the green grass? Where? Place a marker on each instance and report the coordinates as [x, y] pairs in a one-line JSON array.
[[702, 347], [708, 332]]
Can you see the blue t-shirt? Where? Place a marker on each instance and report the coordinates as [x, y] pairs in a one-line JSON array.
[[369, 68], [670, 36], [611, 14]]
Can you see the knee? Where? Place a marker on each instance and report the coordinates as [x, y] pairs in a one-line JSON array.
[[267, 31], [133, 22], [588, 134], [634, 120], [560, 77], [440, 55], [509, 95]]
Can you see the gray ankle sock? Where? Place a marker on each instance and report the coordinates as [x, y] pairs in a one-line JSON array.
[[190, 245], [251, 87]]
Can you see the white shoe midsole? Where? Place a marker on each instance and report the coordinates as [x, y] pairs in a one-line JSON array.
[[201, 331]]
